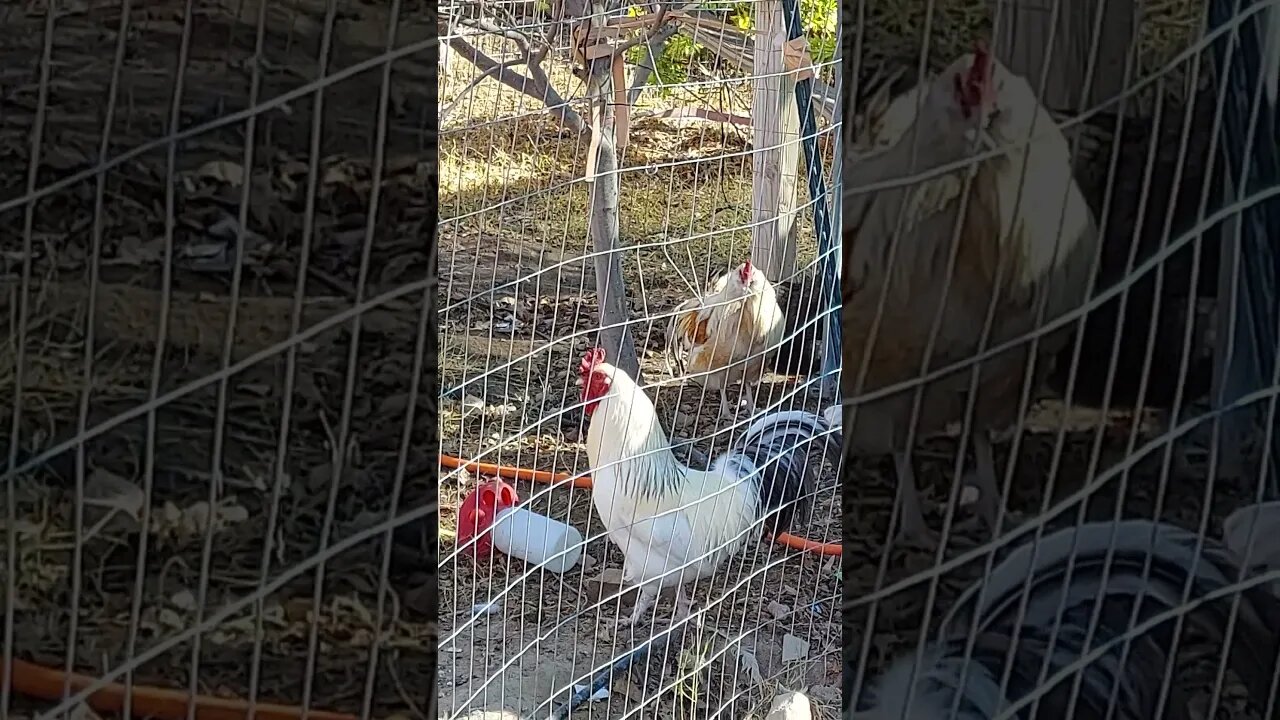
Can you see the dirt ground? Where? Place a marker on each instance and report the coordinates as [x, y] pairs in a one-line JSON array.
[[190, 508]]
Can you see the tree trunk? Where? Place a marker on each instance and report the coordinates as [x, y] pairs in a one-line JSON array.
[[611, 291], [775, 156], [647, 67]]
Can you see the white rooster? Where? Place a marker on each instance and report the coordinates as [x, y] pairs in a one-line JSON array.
[[724, 336], [676, 525], [1029, 249]]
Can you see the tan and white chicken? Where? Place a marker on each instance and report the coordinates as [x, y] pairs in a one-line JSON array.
[[676, 525], [1023, 251], [723, 337]]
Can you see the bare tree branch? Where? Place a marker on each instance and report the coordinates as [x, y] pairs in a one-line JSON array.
[[655, 44], [535, 84], [659, 20], [475, 82], [653, 50], [487, 25]]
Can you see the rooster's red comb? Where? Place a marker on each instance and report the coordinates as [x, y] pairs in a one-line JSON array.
[[745, 271], [590, 360], [981, 69]]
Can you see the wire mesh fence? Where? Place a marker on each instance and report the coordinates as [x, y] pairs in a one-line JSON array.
[[1067, 303], [214, 274], [603, 188]]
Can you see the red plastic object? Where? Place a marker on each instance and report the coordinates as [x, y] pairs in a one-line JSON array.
[[478, 511]]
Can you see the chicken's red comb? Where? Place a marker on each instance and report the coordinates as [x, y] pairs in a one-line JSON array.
[[981, 69], [590, 360], [745, 271]]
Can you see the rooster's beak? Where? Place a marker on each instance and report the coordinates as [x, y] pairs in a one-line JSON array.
[[577, 383]]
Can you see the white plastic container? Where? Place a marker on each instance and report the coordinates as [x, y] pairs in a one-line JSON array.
[[537, 539]]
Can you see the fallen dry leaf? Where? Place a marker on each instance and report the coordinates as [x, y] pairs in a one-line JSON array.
[[222, 171], [113, 500], [749, 663], [794, 648]]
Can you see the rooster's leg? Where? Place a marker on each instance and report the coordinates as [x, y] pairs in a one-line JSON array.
[[648, 594], [985, 478], [684, 607], [748, 398], [913, 531], [727, 410]]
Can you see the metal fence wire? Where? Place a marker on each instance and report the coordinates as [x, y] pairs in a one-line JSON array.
[[218, 426], [601, 208], [1058, 310]]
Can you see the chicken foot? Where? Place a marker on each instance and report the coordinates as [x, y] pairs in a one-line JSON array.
[[728, 411], [644, 603], [984, 479], [914, 531], [684, 607]]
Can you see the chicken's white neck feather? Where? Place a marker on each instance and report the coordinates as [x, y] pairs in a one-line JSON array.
[[626, 439], [1051, 205]]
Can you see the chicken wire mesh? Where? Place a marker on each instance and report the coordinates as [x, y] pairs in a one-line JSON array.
[[526, 246], [214, 277], [1113, 576]]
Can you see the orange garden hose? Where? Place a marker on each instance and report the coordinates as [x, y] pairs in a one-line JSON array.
[[47, 683], [543, 476]]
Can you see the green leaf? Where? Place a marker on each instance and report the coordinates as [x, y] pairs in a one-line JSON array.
[[819, 20]]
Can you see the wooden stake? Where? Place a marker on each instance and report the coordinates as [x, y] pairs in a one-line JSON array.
[[621, 109], [795, 57]]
